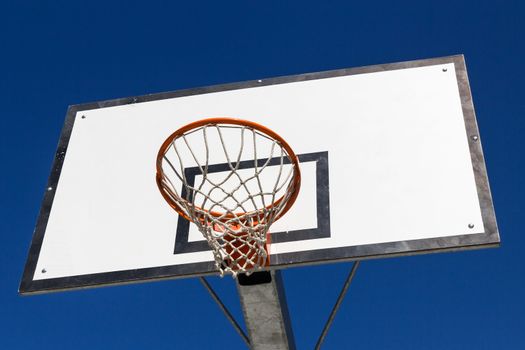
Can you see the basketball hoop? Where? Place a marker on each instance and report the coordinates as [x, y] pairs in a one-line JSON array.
[[234, 203]]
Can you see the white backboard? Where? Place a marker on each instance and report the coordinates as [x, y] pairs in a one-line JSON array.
[[390, 156]]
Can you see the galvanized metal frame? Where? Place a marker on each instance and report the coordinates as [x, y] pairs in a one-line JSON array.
[[225, 311], [265, 312], [489, 238], [337, 304]]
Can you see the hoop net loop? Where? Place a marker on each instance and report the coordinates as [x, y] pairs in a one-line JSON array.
[[235, 200]]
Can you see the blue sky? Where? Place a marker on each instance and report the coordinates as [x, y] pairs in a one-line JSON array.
[[69, 52]]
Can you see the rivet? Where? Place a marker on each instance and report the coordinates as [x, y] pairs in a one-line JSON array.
[[44, 270], [259, 81], [475, 137], [83, 117], [444, 69], [50, 188], [470, 225]]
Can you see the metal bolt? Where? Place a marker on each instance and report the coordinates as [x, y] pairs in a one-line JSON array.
[[259, 81], [50, 188], [475, 137], [470, 225], [444, 69], [44, 270]]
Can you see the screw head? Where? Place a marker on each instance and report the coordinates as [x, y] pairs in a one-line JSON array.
[[259, 81], [444, 69], [83, 117], [50, 188], [44, 270], [470, 225], [475, 137]]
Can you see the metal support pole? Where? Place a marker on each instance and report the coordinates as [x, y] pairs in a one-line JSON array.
[[228, 315], [265, 311], [337, 304]]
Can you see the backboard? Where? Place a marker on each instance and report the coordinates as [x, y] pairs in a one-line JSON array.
[[390, 157]]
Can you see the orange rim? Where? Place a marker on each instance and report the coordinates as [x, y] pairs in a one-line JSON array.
[[295, 183]]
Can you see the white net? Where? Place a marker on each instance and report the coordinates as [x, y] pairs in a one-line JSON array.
[[233, 182]]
